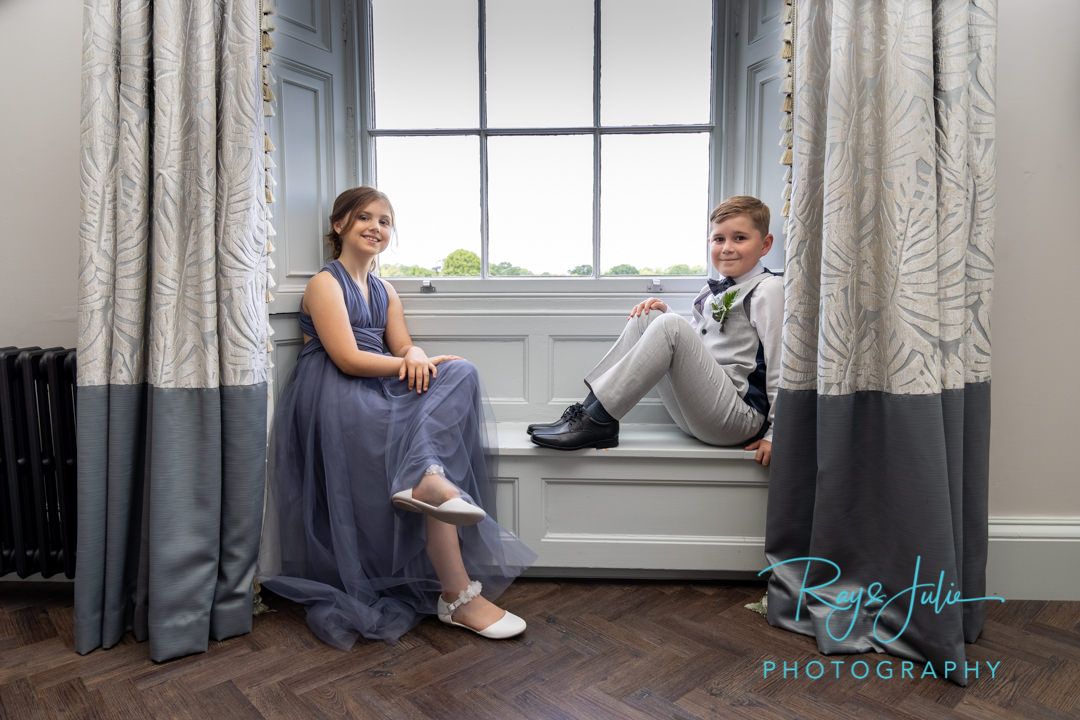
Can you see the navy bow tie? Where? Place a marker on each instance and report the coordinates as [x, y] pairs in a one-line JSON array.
[[718, 286]]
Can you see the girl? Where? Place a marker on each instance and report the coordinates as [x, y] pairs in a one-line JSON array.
[[377, 464]]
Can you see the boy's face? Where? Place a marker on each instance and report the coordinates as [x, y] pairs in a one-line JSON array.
[[735, 245]]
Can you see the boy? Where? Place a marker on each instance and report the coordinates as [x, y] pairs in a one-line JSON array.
[[718, 373]]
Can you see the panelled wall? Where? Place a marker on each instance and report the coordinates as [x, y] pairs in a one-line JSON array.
[[751, 162], [531, 351], [313, 134], [660, 503]]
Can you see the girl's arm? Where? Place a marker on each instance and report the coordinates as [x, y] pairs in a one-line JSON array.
[[325, 302], [397, 335], [416, 367]]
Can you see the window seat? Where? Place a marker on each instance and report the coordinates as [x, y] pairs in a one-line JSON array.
[[636, 440], [659, 505]]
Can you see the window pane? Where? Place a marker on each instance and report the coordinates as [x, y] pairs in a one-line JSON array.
[[539, 63], [426, 66], [540, 204], [434, 186], [654, 204], [655, 63]]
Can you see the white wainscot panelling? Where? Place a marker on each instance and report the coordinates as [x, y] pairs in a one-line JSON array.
[[570, 358], [598, 507], [530, 367], [305, 20], [763, 153], [287, 345], [506, 503], [305, 160], [315, 144], [657, 515], [500, 361], [765, 22]]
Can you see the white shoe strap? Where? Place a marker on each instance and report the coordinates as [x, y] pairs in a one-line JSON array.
[[466, 595]]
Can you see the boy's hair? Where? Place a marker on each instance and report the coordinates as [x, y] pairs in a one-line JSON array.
[[757, 211]]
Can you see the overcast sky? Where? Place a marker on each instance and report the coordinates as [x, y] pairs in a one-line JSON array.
[[654, 69]]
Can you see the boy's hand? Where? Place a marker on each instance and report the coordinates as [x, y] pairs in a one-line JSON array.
[[646, 305], [764, 451]]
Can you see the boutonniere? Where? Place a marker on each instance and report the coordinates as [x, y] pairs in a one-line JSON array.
[[720, 311]]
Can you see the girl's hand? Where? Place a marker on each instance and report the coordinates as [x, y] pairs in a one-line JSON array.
[[444, 358], [416, 366], [645, 306]]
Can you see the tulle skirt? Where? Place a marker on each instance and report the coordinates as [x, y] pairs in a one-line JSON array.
[[340, 446]]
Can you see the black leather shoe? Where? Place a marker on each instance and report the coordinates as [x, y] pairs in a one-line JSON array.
[[578, 431], [551, 425]]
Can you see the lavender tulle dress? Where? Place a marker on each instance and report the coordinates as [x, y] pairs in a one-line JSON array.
[[340, 447]]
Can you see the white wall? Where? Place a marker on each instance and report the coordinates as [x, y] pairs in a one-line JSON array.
[[40, 64], [1035, 392]]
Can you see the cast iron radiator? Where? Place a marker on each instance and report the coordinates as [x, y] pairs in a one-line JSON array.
[[37, 467]]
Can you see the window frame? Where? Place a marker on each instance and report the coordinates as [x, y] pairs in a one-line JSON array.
[[530, 285]]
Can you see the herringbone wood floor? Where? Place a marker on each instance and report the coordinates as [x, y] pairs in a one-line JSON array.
[[593, 650]]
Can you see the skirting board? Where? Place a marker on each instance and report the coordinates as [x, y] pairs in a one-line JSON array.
[[1034, 558], [1029, 559]]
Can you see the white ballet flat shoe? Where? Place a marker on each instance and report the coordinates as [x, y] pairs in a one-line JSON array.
[[508, 626], [454, 511]]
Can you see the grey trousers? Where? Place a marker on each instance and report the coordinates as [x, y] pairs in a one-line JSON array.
[[663, 350]]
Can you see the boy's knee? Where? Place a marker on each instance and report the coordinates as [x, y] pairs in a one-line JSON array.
[[670, 324], [669, 318]]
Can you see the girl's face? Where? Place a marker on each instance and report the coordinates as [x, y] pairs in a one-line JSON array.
[[369, 231]]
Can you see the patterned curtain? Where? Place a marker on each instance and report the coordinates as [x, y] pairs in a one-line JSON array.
[[877, 518], [172, 323]]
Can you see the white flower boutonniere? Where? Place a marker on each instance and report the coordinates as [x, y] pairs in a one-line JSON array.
[[720, 311]]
